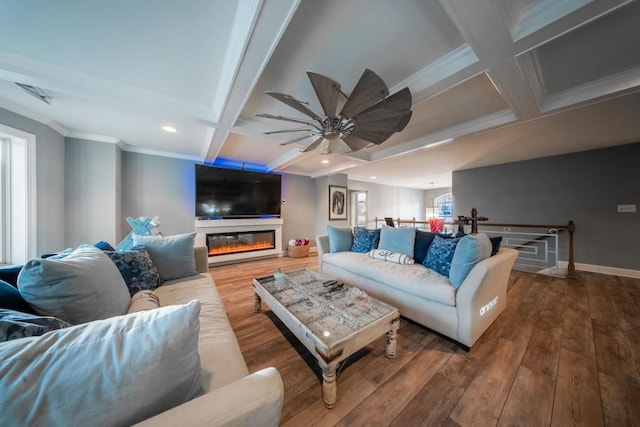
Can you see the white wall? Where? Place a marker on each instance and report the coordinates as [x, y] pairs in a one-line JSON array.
[[388, 201]]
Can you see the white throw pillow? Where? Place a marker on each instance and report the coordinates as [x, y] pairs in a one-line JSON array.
[[111, 372], [390, 256], [82, 286]]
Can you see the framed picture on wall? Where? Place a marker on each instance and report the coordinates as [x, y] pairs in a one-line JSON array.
[[337, 203]]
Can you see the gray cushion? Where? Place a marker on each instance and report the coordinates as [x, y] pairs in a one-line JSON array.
[[471, 249], [83, 286], [110, 372], [16, 324], [340, 238], [172, 255], [399, 240]]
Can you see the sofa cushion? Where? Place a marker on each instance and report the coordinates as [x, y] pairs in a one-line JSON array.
[[340, 238], [400, 240], [412, 279], [364, 240], [11, 299], [137, 269], [441, 254], [9, 273], [83, 286], [471, 249], [389, 256], [110, 372], [172, 255], [16, 324]]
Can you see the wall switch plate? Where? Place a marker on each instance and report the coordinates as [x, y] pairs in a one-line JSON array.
[[627, 208]]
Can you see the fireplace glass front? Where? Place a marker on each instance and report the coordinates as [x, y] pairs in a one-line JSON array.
[[240, 241]]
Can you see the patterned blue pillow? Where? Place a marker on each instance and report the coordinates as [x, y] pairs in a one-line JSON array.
[[364, 240], [441, 254], [136, 268], [16, 324]]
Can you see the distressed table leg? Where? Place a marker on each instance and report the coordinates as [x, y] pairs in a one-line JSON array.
[[390, 350], [329, 387], [257, 303]]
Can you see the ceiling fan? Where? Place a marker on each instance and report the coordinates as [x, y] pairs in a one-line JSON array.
[[368, 117]]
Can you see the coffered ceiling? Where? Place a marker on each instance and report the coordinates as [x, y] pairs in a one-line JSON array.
[[492, 81]]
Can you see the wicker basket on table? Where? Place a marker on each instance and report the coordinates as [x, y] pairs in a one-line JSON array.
[[298, 251]]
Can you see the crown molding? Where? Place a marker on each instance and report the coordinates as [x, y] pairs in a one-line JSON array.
[[541, 13], [92, 137], [611, 86], [132, 149]]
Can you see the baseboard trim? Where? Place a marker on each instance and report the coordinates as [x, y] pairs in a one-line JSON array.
[[603, 269]]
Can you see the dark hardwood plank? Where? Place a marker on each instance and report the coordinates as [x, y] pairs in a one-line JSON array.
[[577, 397], [612, 352], [530, 400], [600, 304], [620, 401], [543, 351], [578, 336], [482, 402]]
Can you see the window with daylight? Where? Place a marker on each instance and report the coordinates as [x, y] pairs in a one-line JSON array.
[[444, 206], [17, 196]]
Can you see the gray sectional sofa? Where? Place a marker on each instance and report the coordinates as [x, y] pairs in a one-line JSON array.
[[425, 296]]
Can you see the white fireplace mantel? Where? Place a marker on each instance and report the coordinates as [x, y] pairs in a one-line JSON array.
[[205, 226]]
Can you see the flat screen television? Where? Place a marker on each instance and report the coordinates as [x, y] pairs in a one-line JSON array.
[[230, 193]]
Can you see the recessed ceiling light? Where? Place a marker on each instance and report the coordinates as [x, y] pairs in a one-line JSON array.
[[169, 129], [373, 177], [325, 161]]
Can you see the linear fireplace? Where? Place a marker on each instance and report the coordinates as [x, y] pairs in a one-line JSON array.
[[232, 246], [240, 241]]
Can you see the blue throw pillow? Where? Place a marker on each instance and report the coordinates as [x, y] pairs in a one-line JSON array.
[[136, 268], [11, 299], [16, 324], [364, 240], [10, 273], [401, 240], [495, 244], [441, 254], [173, 256], [340, 238], [471, 249], [104, 246]]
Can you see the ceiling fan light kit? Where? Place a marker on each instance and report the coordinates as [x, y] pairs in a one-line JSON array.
[[368, 117]]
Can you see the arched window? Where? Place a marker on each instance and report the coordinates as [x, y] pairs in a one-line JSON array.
[[443, 206]]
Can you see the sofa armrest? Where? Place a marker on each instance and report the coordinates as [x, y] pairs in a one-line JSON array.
[[201, 255], [483, 295], [322, 243], [250, 401]]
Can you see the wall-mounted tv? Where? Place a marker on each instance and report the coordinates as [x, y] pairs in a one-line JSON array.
[[230, 193]]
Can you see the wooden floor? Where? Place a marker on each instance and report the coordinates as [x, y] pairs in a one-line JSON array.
[[563, 353]]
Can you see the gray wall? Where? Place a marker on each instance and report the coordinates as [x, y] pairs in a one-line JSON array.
[[154, 185], [50, 184], [322, 202], [584, 187], [92, 195], [299, 212]]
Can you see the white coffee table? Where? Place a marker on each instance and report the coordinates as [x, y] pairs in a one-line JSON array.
[[332, 324]]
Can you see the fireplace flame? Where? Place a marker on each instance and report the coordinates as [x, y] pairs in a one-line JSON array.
[[239, 247]]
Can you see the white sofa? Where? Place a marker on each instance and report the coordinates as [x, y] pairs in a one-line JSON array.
[[117, 370], [425, 296], [232, 396]]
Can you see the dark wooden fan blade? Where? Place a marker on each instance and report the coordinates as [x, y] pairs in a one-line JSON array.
[[327, 91], [395, 124], [369, 90], [295, 140], [395, 105], [403, 122], [295, 104], [377, 137], [287, 119], [314, 144], [355, 143]]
